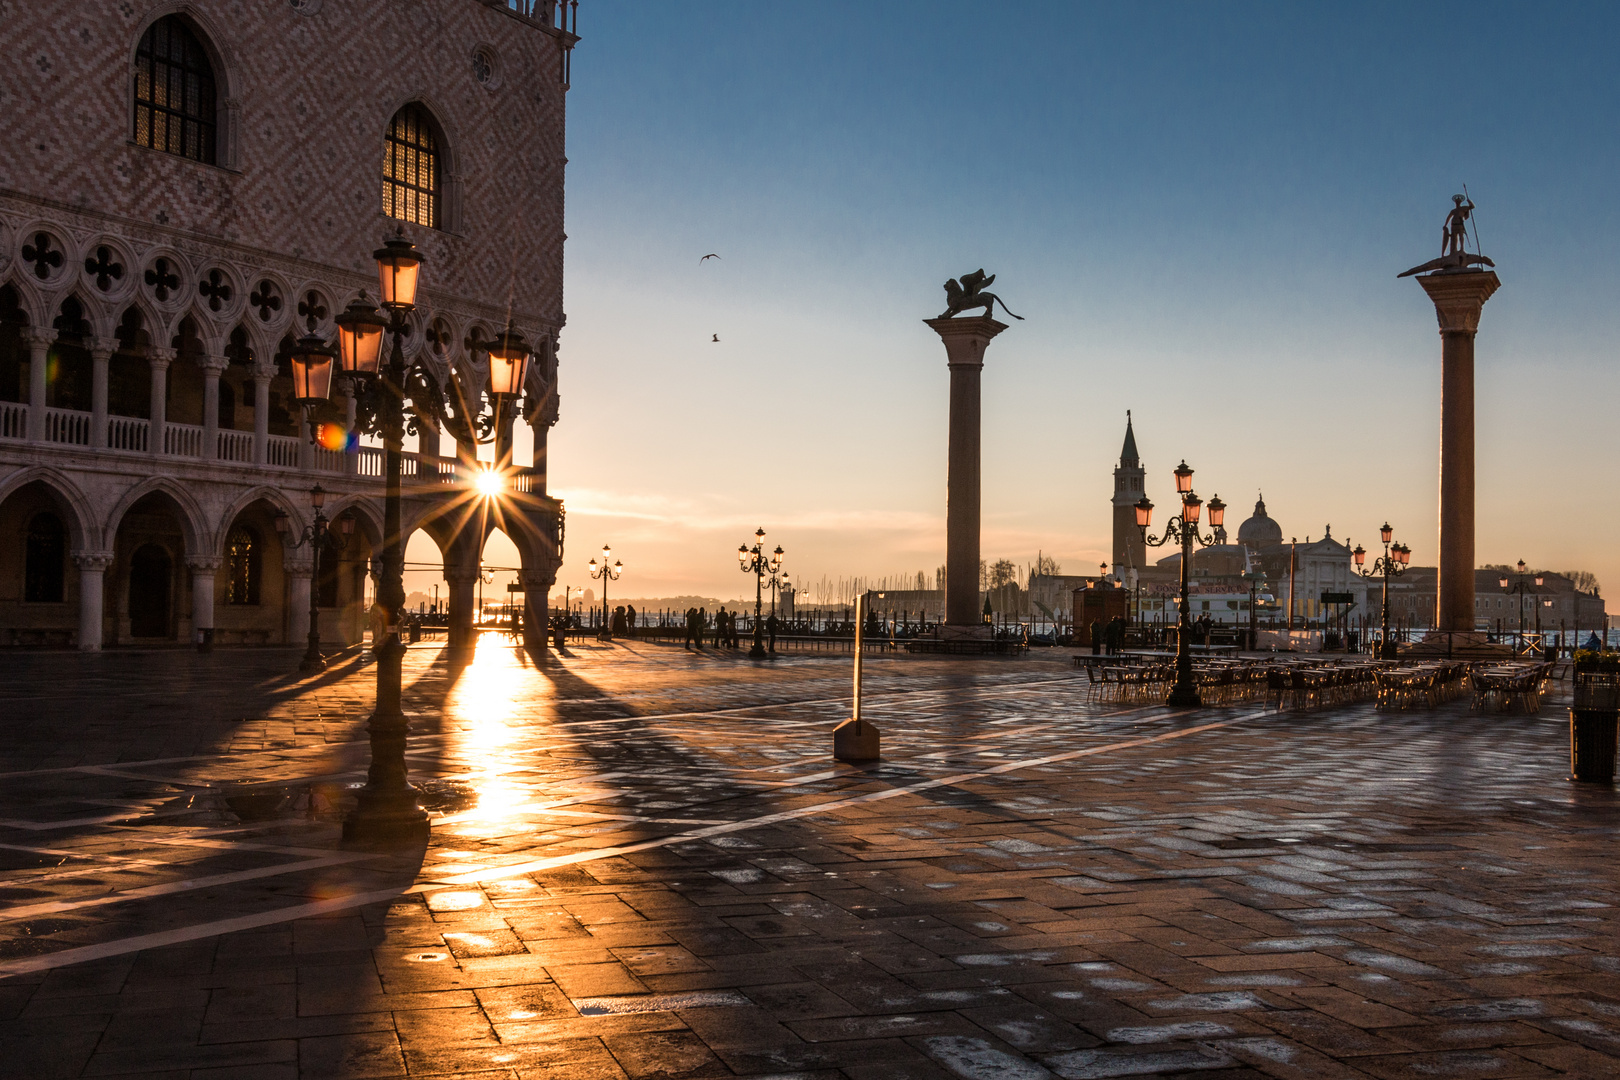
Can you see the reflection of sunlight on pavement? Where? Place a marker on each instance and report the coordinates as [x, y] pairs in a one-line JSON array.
[[483, 708]]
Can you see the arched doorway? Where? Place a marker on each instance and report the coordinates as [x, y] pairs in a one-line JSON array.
[[153, 595], [151, 590]]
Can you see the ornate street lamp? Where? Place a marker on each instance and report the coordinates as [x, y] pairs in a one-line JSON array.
[[606, 573], [391, 400], [1520, 586], [1393, 564], [1183, 529], [1255, 578], [755, 560], [318, 535]]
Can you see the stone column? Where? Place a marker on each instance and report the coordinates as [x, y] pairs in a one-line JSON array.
[[92, 577], [101, 351], [306, 444], [261, 415], [427, 438], [159, 359], [211, 368], [1458, 299], [541, 429], [463, 589], [298, 585], [39, 340], [203, 570], [965, 342]]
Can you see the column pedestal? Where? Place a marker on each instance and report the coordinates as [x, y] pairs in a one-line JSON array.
[[1458, 299], [965, 341]]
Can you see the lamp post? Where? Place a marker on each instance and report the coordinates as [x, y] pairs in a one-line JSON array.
[[607, 573], [1518, 585], [1393, 564], [1255, 578], [392, 398], [317, 535], [757, 561], [1183, 529]]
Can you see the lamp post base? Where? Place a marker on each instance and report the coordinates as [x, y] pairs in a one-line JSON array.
[[386, 821], [311, 664], [757, 650], [1184, 696]]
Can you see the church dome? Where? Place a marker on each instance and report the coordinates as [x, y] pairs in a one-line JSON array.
[[1259, 531]]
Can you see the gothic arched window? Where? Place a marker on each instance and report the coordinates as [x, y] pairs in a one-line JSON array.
[[44, 560], [174, 92], [242, 558], [411, 168]]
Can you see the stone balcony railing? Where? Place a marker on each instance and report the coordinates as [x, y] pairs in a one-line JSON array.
[[71, 429]]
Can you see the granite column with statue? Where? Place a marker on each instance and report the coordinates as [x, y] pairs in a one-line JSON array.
[[965, 342], [1458, 286]]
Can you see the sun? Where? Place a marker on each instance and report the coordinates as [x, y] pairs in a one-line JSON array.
[[490, 483]]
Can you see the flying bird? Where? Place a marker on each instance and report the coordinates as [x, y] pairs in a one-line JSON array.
[[710, 255], [717, 337]]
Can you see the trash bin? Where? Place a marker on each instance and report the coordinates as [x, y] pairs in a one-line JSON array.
[[416, 632], [205, 639], [1592, 727]]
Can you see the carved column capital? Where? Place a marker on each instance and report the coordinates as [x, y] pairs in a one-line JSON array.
[[1459, 298], [97, 561], [214, 365], [207, 563], [160, 357], [101, 348], [39, 337]]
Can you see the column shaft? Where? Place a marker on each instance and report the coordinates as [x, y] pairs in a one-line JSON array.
[[39, 346], [1455, 602], [541, 430], [92, 580], [159, 359], [202, 592], [211, 369], [261, 418], [462, 587], [298, 578], [962, 499], [100, 354]]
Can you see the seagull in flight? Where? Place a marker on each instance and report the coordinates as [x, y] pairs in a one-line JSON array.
[[710, 255]]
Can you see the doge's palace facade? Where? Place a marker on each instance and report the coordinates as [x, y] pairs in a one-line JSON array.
[[185, 189]]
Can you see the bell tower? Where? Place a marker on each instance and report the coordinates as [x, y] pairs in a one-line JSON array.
[[1129, 480]]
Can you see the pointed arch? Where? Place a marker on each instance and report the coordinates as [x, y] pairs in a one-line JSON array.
[[275, 496], [223, 115], [83, 528], [419, 154], [193, 528]]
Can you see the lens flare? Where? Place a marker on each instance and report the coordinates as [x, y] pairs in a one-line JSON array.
[[490, 483], [332, 437]]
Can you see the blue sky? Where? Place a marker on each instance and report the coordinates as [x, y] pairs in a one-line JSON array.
[[1200, 210]]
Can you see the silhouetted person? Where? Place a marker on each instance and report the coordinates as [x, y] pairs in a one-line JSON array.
[[1096, 637], [630, 621], [770, 632]]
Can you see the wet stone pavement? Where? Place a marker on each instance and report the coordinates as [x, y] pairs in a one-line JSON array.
[[644, 863]]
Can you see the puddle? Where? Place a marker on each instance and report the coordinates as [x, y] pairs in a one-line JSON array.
[[446, 796], [250, 804]]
